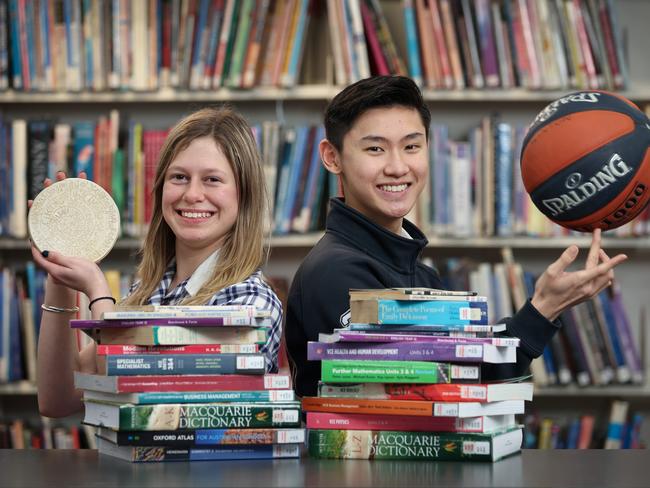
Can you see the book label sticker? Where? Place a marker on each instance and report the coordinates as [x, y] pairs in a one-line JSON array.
[[250, 362], [470, 447]]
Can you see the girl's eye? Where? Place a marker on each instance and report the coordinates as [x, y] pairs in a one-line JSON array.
[[213, 179], [178, 177]]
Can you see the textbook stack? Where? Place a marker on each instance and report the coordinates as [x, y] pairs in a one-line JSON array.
[[179, 383], [404, 381]]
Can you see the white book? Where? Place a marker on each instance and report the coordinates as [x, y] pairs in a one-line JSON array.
[[477, 409], [18, 212]]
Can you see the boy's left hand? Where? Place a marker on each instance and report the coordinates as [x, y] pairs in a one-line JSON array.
[[556, 289]]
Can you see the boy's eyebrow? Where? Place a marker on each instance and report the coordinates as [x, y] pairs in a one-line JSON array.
[[373, 138]]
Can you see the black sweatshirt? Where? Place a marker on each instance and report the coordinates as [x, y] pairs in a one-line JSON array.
[[357, 253]]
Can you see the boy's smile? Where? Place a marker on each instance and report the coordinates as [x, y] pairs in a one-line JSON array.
[[384, 164]]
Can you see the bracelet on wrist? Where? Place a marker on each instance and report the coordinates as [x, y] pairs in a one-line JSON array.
[[55, 309], [101, 298]]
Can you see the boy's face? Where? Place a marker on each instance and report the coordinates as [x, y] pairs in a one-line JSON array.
[[384, 164]]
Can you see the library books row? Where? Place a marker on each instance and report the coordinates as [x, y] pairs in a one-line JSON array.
[[26, 434], [474, 187], [74, 45], [123, 162], [548, 44], [622, 430], [93, 45], [595, 345]]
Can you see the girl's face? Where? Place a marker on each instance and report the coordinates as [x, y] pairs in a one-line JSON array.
[[199, 199]]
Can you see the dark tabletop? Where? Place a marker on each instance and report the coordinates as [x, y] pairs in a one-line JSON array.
[[531, 468]]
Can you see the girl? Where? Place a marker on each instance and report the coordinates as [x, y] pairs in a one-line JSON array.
[[204, 245]]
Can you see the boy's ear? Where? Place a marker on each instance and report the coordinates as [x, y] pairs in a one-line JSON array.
[[330, 157]]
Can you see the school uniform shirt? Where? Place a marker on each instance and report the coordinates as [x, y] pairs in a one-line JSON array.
[[252, 291], [357, 253]]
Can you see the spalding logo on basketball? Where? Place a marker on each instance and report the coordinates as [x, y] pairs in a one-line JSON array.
[[585, 161]]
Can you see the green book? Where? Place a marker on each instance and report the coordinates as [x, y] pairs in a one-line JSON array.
[[353, 371], [449, 446], [240, 46], [192, 416]]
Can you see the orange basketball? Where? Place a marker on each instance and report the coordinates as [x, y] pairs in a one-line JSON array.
[[585, 161]]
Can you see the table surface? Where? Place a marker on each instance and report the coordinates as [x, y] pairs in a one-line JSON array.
[[531, 468]]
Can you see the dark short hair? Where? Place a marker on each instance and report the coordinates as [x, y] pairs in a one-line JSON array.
[[374, 92]]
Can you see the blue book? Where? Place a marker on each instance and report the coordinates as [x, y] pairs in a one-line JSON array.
[[174, 364], [622, 370], [4, 317], [200, 38], [154, 398], [158, 454], [31, 55], [14, 39], [4, 46], [46, 83], [298, 160], [298, 45], [284, 174], [412, 46], [573, 434], [503, 170], [87, 42], [439, 312], [15, 367], [314, 183], [83, 152]]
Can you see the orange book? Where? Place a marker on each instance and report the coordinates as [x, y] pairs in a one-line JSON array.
[[417, 408], [428, 49], [586, 431]]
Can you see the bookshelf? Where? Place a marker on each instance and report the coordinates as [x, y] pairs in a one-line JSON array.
[[304, 103]]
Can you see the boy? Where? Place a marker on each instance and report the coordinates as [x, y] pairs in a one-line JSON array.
[[377, 133]]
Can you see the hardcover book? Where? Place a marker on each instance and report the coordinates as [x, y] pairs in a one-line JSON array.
[[349, 371], [438, 392], [411, 351], [177, 336], [174, 364], [411, 423], [368, 444], [439, 312], [192, 416], [158, 454], [151, 398], [180, 383], [411, 407], [202, 437]]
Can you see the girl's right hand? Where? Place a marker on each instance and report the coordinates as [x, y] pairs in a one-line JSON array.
[[76, 273]]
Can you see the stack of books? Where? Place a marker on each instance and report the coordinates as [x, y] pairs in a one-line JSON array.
[[404, 381], [187, 383]]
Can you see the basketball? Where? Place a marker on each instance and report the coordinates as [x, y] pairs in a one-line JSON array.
[[585, 161]]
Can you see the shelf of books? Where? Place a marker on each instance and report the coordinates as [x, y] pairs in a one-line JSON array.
[[493, 64]]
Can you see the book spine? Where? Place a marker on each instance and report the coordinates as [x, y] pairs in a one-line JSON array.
[[339, 444], [163, 454], [396, 372], [432, 312], [351, 336], [173, 322], [211, 437], [116, 349], [324, 420], [131, 384], [413, 48], [208, 415], [434, 392], [139, 364], [404, 351], [215, 396]]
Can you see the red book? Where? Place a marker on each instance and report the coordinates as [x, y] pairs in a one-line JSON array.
[[323, 420], [106, 349], [167, 383], [376, 54]]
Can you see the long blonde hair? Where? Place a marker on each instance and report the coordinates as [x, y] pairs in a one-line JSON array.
[[243, 250]]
